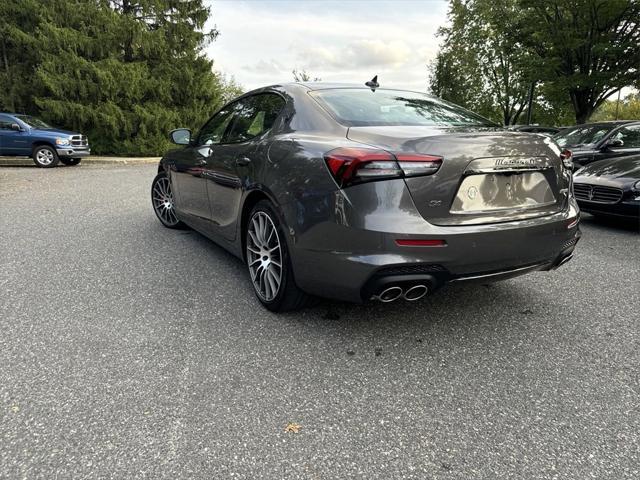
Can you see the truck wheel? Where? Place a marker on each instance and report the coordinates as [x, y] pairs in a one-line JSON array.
[[44, 156], [70, 161]]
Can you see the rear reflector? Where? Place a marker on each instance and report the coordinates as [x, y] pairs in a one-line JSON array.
[[356, 165], [572, 223], [407, 242], [567, 158]]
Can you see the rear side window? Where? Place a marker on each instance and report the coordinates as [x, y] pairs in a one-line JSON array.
[[253, 116], [362, 107]]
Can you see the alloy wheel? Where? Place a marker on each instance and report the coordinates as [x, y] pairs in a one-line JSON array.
[[163, 201], [264, 256], [45, 156]]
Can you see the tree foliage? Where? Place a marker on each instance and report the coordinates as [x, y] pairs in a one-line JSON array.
[[627, 109], [124, 72], [587, 48], [575, 52], [303, 76], [483, 61]]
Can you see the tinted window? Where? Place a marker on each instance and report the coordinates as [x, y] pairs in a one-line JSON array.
[[630, 136], [362, 107], [214, 129], [253, 116], [33, 122], [5, 122], [585, 135]]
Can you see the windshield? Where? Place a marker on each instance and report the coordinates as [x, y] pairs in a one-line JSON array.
[[33, 122], [585, 135], [361, 107]]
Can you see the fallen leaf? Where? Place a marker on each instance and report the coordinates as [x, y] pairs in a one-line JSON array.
[[292, 428]]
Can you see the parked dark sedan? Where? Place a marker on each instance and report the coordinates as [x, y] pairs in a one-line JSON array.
[[610, 187], [365, 194], [597, 141], [535, 129]]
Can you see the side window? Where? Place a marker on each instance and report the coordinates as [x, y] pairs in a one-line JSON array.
[[214, 129], [254, 116], [630, 136], [5, 123]]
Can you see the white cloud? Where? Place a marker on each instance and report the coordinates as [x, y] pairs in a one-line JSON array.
[[262, 41]]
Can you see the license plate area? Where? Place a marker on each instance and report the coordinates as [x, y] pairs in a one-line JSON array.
[[490, 192]]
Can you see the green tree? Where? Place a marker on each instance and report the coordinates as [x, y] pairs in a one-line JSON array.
[[122, 71], [589, 49], [627, 109], [482, 64]]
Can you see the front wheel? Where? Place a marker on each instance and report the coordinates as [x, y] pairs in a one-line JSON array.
[[163, 202], [45, 156], [269, 262], [70, 161]]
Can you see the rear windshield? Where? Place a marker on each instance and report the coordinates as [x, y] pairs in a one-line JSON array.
[[362, 107], [585, 135]]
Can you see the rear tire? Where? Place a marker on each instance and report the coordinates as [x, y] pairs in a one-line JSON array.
[[70, 161], [268, 261], [45, 156], [163, 202]]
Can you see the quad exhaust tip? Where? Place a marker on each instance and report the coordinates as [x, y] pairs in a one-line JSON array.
[[390, 294], [393, 293], [415, 293]]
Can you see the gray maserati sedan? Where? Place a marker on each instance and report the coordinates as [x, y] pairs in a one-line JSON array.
[[359, 194]]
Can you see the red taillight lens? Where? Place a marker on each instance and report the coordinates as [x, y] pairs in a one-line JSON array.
[[407, 242], [567, 158], [356, 165]]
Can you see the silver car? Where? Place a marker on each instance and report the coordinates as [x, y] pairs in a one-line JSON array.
[[360, 194]]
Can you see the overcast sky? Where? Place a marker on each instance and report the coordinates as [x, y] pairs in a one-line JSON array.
[[261, 41]]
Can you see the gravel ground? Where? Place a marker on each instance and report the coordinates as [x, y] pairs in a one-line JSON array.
[[131, 351]]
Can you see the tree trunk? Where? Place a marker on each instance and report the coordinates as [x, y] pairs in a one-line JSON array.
[[582, 105]]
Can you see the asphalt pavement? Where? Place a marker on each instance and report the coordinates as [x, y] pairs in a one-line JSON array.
[[128, 350]]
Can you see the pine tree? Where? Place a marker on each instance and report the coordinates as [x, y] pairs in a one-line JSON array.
[[124, 72]]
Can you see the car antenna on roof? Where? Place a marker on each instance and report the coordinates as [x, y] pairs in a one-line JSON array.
[[373, 83]]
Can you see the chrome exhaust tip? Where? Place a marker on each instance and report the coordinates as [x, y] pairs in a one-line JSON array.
[[390, 294], [415, 293]]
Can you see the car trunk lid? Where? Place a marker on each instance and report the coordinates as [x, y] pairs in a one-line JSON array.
[[488, 175]]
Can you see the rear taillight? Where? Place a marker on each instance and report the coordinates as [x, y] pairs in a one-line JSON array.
[[356, 165], [567, 158]]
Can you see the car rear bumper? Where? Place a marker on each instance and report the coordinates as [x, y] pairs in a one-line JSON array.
[[73, 152], [360, 263]]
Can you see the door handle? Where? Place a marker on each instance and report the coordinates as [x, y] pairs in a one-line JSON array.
[[243, 161]]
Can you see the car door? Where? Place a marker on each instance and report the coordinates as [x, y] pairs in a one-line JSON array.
[[13, 142], [189, 172], [238, 156], [629, 135]]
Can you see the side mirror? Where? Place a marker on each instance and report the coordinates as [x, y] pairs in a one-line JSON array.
[[615, 143], [16, 127], [180, 136]]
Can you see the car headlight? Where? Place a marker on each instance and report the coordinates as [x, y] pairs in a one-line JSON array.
[[636, 187], [62, 141]]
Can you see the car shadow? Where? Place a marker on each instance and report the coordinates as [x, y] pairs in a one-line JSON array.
[[455, 307], [611, 222]]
